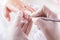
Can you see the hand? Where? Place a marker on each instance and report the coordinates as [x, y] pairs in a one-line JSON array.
[[48, 27], [27, 27], [20, 27], [17, 4]]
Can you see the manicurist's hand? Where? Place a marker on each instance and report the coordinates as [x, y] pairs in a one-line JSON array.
[[49, 28]]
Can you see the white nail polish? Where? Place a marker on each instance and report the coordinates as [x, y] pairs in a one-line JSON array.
[[28, 12], [24, 21]]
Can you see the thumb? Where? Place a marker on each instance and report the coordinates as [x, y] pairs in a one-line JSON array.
[[39, 13]]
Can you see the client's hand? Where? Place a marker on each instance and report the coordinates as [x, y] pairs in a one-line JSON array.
[[17, 4], [20, 27], [48, 27]]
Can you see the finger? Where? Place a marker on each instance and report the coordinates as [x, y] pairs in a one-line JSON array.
[[49, 13], [24, 28], [39, 13], [10, 8], [7, 14], [29, 26], [25, 16], [16, 3], [30, 9]]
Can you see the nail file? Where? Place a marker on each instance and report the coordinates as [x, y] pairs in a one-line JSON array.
[[48, 19]]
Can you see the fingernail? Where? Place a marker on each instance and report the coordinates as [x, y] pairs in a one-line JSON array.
[[19, 14], [24, 21]]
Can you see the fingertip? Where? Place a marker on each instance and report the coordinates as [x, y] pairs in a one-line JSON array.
[[7, 14], [25, 16]]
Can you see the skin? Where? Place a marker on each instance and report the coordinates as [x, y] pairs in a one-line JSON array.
[[49, 28], [18, 4], [23, 28], [18, 30], [15, 30]]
